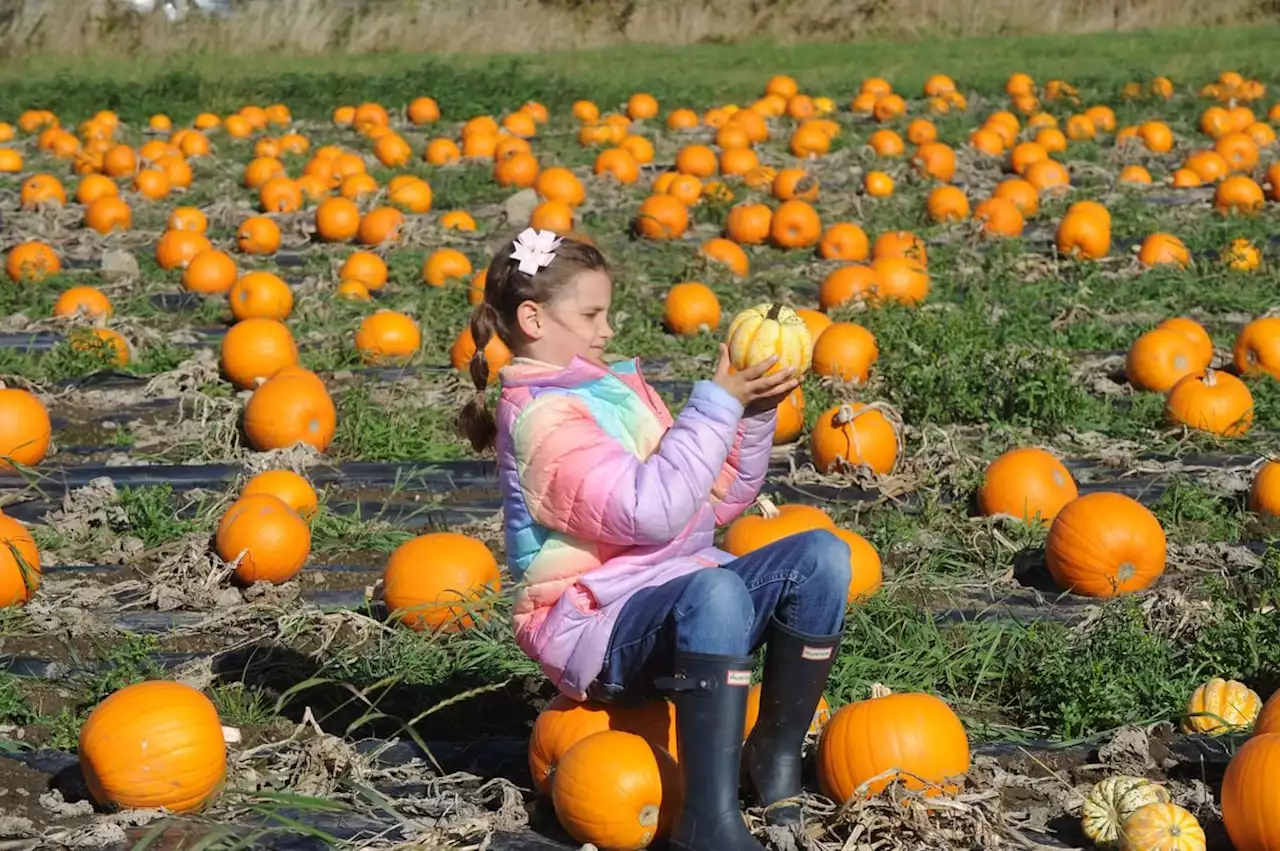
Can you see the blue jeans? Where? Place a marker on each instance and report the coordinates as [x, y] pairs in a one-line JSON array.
[[801, 581]]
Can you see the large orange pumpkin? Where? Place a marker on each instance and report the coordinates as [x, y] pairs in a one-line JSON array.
[[1026, 483], [19, 563], [866, 571], [387, 337], [290, 407], [25, 429], [154, 744], [256, 349], [274, 539], [846, 351], [1216, 402], [916, 734], [855, 434], [566, 722], [1251, 796], [260, 294], [1257, 348], [616, 791], [750, 532], [1159, 359], [1269, 718], [438, 581], [1105, 544]]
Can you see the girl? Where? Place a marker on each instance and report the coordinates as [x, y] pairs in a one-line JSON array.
[[611, 509]]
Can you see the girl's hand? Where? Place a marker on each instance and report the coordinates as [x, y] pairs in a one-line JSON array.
[[756, 391]]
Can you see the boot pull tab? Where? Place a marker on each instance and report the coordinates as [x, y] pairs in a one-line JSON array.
[[680, 683]]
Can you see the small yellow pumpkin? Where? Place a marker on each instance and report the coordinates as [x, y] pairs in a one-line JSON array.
[[760, 332], [1110, 803], [1221, 706], [1162, 827]]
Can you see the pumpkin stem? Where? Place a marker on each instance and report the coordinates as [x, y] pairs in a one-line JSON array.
[[774, 311], [844, 416], [767, 507], [1210, 377], [878, 691]]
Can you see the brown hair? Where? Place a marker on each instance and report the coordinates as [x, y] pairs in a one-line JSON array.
[[505, 289]]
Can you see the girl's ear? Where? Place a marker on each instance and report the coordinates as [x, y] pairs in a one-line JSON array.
[[529, 320]]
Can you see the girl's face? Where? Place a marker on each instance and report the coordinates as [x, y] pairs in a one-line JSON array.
[[573, 324]]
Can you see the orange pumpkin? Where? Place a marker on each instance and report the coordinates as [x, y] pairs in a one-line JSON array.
[[154, 744], [438, 581], [790, 418], [662, 217], [1105, 544], [31, 262], [749, 224], [1238, 194], [750, 532], [866, 572], [846, 284], [844, 241], [566, 722], [1000, 217], [290, 407], [1201, 343], [795, 224], [210, 272], [19, 562], [853, 434], [1134, 175], [1216, 402], [1160, 359], [1250, 796], [260, 295], [901, 243], [103, 344], [337, 220], [1163, 249], [1027, 483], [916, 734], [176, 248], [365, 267], [845, 350], [387, 337], [947, 204], [903, 280], [269, 538], [1085, 231], [89, 302], [615, 790], [691, 307], [287, 486], [1269, 718], [1257, 348], [256, 349], [726, 253]]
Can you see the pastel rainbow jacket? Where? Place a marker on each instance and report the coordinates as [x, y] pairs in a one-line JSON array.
[[604, 494]]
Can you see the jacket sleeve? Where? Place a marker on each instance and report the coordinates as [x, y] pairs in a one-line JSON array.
[[580, 480], [746, 466]]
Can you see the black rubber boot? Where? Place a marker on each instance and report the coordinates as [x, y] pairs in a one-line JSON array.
[[710, 694], [795, 673]]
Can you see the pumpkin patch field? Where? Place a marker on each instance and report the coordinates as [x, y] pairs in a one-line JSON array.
[[253, 587]]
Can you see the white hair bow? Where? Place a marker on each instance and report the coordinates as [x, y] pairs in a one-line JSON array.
[[535, 249]]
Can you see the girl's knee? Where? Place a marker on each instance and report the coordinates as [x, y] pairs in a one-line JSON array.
[[717, 607], [826, 559]]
